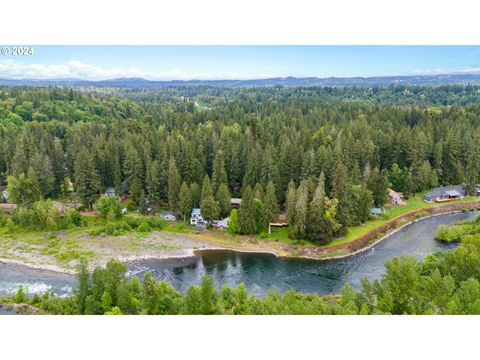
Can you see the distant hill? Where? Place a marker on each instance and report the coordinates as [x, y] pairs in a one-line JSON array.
[[439, 79]]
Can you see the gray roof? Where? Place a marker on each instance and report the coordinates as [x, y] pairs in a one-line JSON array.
[[452, 191], [165, 213], [195, 211]]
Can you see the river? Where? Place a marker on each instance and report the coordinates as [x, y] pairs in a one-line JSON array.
[[259, 272]]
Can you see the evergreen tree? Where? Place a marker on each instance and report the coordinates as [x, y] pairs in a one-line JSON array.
[[340, 191], [234, 222], [185, 201], [301, 212], [86, 178], [143, 205], [224, 200], [246, 213], [208, 205], [270, 205], [290, 206], [58, 166], [219, 175], [378, 185], [196, 194], [155, 181], [174, 183]]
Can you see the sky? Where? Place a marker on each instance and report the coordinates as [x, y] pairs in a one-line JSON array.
[[235, 62]]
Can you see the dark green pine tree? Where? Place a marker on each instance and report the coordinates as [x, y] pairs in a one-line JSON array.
[[219, 175], [58, 166], [316, 230], [291, 200], [340, 191], [155, 181], [143, 206], [208, 205], [185, 201], [224, 200], [270, 205], [301, 211], [246, 213], [174, 183], [133, 169], [87, 179], [377, 183]]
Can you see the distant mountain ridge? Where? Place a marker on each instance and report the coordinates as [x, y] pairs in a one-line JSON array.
[[437, 79]]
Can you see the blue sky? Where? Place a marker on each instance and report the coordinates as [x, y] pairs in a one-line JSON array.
[[237, 62]]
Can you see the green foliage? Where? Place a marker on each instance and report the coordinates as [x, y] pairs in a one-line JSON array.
[[110, 207], [185, 200], [246, 213], [234, 222], [208, 205]]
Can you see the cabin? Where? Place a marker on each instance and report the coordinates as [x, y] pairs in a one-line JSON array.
[[110, 191], [196, 218], [168, 216], [395, 198], [235, 202], [445, 193]]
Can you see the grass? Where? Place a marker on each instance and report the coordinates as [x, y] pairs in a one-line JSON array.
[[413, 203], [355, 232]]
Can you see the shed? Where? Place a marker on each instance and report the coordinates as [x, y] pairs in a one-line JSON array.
[[168, 215], [376, 211]]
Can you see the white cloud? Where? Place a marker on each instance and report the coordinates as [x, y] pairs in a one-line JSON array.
[[78, 70], [457, 70]]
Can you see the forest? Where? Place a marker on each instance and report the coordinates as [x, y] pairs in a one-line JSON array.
[[325, 156]]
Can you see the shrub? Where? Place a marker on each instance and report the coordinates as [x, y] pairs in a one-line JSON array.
[[448, 234], [109, 207], [144, 227]]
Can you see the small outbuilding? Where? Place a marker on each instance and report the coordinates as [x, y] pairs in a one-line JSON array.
[[235, 202], [168, 216], [110, 191], [376, 211]]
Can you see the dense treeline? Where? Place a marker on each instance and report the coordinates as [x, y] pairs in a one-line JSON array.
[[326, 160], [444, 283]]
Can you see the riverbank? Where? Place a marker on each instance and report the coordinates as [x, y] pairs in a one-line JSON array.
[[30, 251]]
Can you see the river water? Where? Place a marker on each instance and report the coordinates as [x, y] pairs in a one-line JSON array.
[[259, 272]]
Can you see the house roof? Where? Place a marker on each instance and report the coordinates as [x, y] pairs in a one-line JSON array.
[[235, 201], [394, 193], [453, 193], [376, 211], [455, 190], [196, 211], [166, 213], [110, 190]]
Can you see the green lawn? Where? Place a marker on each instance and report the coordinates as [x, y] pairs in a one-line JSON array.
[[354, 232]]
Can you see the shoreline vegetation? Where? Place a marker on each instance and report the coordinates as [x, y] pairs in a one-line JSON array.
[[444, 283], [164, 244]]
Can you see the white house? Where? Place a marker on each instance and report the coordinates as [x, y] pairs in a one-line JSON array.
[[196, 217], [168, 216], [5, 195]]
